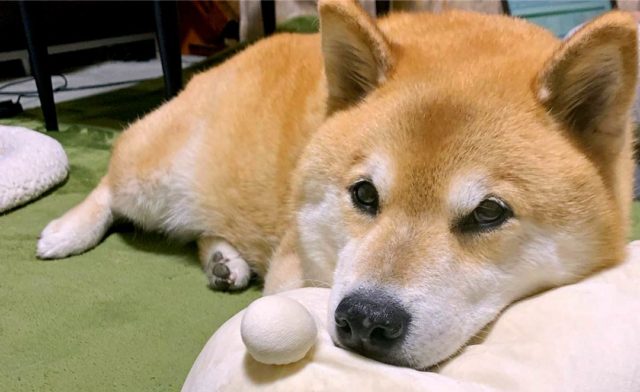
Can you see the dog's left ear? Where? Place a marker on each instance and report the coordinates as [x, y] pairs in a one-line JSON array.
[[357, 56], [589, 83]]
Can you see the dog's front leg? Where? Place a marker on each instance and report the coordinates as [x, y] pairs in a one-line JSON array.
[[285, 270]]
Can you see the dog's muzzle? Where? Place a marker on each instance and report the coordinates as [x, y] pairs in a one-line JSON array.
[[371, 322]]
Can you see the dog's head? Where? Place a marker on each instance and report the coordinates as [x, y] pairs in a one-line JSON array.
[[469, 161]]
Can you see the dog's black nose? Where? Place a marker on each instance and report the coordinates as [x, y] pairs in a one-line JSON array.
[[370, 322]]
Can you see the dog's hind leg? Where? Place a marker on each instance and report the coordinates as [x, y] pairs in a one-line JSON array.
[[222, 264], [81, 228]]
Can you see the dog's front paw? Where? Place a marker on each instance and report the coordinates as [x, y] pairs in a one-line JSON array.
[[227, 272]]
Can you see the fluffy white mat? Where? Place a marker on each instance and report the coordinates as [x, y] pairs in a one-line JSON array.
[[581, 337], [30, 164]]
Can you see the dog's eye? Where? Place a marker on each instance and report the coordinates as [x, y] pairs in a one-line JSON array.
[[489, 214], [365, 197]]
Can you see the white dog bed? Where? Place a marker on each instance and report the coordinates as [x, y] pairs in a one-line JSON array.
[[582, 337], [30, 164]]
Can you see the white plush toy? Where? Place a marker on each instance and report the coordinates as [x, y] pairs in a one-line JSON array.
[[581, 337], [278, 330]]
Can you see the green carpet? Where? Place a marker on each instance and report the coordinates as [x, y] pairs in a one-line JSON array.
[[129, 315]]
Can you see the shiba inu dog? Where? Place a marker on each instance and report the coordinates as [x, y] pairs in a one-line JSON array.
[[431, 168]]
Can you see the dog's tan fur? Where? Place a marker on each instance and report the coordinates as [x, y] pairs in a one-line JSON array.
[[249, 151]]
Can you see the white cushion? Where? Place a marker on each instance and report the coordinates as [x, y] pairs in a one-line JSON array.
[[30, 164], [581, 337]]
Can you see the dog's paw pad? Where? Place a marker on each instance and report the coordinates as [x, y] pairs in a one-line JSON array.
[[221, 271], [219, 284], [227, 273], [218, 257]]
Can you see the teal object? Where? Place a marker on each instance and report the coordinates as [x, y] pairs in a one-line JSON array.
[[558, 16]]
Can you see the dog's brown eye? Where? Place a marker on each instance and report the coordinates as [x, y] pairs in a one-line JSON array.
[[489, 214], [365, 197], [488, 211]]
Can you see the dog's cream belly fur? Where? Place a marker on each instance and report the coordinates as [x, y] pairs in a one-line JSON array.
[[218, 163]]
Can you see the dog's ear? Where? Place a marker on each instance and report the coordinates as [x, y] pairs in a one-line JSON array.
[[589, 82], [357, 56]]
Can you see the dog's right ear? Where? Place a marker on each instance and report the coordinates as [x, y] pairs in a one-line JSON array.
[[357, 56], [589, 83]]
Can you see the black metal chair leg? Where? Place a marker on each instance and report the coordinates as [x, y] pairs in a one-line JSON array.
[[38, 57], [268, 9], [166, 15], [382, 7]]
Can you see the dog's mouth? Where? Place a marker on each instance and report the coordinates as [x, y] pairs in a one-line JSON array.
[[368, 351]]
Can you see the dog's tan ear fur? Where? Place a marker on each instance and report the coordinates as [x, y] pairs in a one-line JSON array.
[[357, 56], [589, 83]]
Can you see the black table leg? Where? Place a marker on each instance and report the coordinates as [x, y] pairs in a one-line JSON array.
[[38, 57], [166, 15]]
